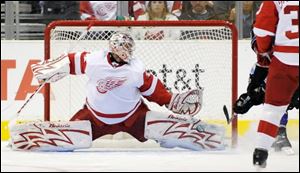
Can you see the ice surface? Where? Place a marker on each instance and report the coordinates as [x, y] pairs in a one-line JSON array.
[[145, 159]]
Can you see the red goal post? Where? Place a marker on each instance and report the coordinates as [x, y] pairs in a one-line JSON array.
[[185, 54]]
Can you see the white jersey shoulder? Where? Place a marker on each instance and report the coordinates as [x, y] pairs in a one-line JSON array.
[[137, 65], [95, 60], [96, 57]]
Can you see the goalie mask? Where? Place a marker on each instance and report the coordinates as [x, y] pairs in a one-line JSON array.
[[122, 44]]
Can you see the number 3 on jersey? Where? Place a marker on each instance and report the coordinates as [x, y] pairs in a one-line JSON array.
[[295, 21]]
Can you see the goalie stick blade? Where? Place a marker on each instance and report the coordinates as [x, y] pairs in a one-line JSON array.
[[226, 114]]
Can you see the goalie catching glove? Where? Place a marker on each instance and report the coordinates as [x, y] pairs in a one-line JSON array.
[[52, 70], [189, 103]]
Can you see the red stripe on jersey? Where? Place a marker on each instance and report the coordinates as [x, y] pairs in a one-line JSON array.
[[148, 79], [72, 62], [121, 115], [267, 128], [82, 62], [287, 49]]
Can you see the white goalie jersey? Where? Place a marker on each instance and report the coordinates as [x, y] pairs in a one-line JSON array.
[[115, 90], [121, 86]]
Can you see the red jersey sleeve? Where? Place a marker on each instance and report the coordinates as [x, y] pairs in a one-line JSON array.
[[77, 63], [265, 26], [153, 90], [86, 12]]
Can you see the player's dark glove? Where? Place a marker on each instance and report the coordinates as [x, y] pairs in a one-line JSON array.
[[243, 104], [256, 86], [255, 91]]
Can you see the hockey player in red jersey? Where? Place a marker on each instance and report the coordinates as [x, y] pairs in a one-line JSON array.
[[256, 96], [117, 83], [279, 19]]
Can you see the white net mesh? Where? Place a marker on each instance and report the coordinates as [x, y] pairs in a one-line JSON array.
[[181, 57]]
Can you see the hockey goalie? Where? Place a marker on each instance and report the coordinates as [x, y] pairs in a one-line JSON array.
[[117, 84]]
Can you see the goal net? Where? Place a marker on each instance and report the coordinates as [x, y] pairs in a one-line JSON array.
[[183, 54]]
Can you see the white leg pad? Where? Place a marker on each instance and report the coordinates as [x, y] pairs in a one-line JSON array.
[[51, 136], [183, 131]]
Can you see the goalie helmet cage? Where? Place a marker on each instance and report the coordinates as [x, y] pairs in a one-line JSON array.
[[197, 53]]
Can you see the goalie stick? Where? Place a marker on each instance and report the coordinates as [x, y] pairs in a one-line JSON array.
[[41, 85], [15, 116], [225, 110]]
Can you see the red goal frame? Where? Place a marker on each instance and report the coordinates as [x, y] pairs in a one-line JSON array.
[[226, 24]]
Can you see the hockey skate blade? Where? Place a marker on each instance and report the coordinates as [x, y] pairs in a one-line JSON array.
[[288, 150], [260, 168]]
